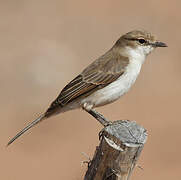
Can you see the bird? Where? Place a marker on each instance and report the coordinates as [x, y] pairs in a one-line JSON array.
[[106, 79]]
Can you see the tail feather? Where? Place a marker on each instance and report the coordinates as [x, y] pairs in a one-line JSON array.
[[36, 121]]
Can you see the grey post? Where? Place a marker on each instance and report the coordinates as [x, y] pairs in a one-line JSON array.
[[120, 146]]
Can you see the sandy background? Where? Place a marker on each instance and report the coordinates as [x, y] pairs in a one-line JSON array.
[[44, 44]]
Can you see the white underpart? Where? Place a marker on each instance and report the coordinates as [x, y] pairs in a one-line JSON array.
[[119, 87]]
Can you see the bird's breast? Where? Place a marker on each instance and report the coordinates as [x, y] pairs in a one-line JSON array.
[[115, 89]]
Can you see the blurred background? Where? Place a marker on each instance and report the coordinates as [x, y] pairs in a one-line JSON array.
[[44, 44]]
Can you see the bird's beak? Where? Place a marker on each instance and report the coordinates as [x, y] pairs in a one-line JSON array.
[[159, 44]]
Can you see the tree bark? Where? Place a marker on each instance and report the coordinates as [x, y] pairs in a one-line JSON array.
[[120, 146]]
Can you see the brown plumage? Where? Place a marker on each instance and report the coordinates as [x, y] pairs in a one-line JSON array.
[[106, 79], [97, 75]]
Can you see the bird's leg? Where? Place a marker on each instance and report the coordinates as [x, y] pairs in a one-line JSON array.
[[96, 115], [99, 117]]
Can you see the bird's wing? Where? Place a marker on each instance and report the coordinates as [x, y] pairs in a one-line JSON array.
[[96, 76]]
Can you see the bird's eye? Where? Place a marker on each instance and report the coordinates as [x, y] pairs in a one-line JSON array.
[[141, 41]]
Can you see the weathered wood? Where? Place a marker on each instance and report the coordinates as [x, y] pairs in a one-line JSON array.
[[116, 156]]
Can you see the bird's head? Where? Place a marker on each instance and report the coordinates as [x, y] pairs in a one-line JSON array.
[[141, 41]]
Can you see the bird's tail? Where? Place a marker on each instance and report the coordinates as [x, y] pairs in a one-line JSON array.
[[36, 121]]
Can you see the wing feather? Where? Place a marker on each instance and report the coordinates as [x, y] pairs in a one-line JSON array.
[[96, 76]]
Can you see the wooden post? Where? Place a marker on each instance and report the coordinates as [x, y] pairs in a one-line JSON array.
[[116, 156]]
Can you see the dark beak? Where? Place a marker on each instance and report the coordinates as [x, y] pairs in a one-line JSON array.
[[159, 44]]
